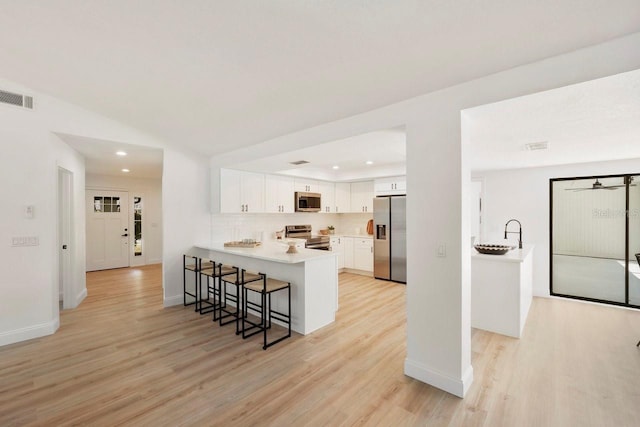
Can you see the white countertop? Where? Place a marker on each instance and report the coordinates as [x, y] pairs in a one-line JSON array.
[[514, 255], [272, 251]]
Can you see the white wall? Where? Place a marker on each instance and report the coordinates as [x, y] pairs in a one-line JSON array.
[[186, 217], [28, 285], [438, 176], [151, 192], [524, 194]]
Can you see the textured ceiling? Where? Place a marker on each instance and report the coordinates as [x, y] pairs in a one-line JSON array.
[[592, 121], [220, 75]]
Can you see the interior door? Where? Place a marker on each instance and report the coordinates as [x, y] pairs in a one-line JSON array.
[[634, 239], [107, 229], [588, 238]]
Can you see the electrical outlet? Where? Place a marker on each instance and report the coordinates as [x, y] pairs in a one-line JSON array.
[[441, 250]]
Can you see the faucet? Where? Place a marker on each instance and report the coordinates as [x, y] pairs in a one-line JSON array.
[[519, 232]]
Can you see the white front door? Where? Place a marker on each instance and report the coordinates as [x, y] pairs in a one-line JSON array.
[[107, 229]]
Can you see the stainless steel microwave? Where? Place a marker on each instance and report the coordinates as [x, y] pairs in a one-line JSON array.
[[308, 202]]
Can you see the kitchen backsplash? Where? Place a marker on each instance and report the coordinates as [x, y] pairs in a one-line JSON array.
[[227, 227]]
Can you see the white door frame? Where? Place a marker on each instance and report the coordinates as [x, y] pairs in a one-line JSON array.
[[65, 236]]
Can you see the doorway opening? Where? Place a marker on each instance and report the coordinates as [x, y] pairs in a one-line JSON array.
[[595, 238], [65, 238]]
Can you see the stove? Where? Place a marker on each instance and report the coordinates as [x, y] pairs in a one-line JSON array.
[[311, 241]]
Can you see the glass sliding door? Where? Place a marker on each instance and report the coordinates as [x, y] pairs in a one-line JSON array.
[[634, 240], [588, 238]]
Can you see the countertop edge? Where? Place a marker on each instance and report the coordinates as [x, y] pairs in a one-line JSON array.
[[514, 255]]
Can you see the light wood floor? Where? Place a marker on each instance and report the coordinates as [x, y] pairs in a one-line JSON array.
[[122, 359]]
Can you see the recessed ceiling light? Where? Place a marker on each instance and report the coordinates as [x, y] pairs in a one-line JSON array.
[[121, 153], [369, 162], [125, 170], [336, 167]]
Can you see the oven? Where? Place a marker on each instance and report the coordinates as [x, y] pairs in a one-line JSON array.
[[304, 232]]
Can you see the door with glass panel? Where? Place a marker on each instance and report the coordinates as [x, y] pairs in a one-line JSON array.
[[634, 240], [107, 229], [594, 239]]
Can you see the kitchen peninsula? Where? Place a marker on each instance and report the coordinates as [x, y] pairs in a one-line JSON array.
[[313, 275]]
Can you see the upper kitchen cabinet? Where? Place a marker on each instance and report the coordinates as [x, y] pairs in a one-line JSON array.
[[307, 185], [390, 186], [279, 194], [342, 197], [241, 191], [362, 196], [327, 198]]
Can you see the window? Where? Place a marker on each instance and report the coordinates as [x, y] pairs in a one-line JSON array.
[[106, 204], [137, 226]]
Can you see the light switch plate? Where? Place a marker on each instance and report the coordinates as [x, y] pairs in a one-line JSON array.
[[441, 250], [25, 241]]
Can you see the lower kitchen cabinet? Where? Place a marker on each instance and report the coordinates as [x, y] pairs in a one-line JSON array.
[[355, 253], [337, 246], [348, 252], [363, 254]]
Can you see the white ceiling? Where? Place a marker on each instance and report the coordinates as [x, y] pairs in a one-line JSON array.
[[101, 159], [386, 149], [592, 121], [221, 75]]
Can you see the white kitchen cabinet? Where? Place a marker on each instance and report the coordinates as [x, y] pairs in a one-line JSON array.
[[363, 254], [362, 196], [279, 194], [391, 186], [342, 197], [337, 247], [347, 242], [327, 198], [241, 191], [307, 185]]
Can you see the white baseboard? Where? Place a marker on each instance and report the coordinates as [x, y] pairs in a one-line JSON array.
[[456, 386], [154, 261], [81, 296], [354, 271], [29, 332], [174, 300]]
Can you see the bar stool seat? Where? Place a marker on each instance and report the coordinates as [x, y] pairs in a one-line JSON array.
[[272, 285], [265, 287]]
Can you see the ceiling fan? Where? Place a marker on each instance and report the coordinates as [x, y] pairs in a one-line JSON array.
[[597, 185]]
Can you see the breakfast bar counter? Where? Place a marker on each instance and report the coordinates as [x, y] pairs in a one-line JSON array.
[[313, 275], [501, 290]]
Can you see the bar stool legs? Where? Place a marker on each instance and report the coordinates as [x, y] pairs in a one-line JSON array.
[[229, 276], [264, 286]]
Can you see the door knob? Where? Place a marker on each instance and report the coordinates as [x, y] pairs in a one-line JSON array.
[[125, 234]]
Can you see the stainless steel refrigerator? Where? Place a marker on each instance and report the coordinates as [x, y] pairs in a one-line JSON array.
[[390, 238]]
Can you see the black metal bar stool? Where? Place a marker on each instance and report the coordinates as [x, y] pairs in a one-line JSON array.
[[226, 276], [209, 301], [264, 286], [194, 265]]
